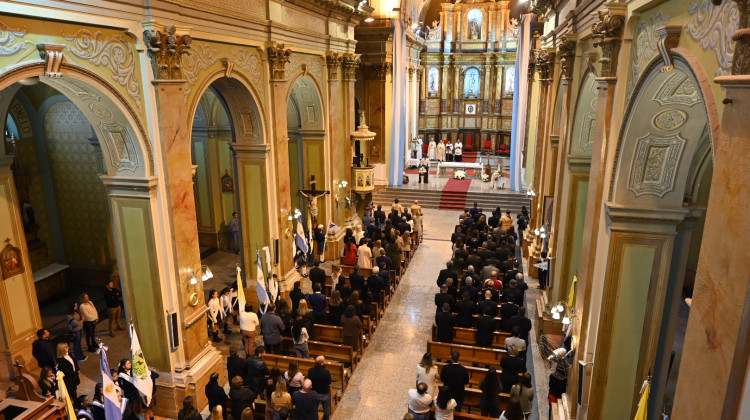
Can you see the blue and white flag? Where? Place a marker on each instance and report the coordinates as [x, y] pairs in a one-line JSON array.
[[112, 409], [272, 286], [299, 238], [261, 287], [331, 227]]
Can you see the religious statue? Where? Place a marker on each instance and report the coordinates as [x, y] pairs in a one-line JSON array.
[[432, 149], [458, 150], [472, 84], [433, 88], [441, 152], [515, 28], [474, 29], [312, 196]]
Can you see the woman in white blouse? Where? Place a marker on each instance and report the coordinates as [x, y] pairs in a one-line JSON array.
[[215, 314], [427, 372]]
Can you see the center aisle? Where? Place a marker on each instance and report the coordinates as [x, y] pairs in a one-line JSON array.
[[378, 387]]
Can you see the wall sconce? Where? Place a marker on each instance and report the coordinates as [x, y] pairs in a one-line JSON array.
[[203, 273], [561, 310], [540, 232], [287, 218]]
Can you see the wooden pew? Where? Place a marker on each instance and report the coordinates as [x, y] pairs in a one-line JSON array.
[[475, 316], [339, 374], [332, 334], [476, 374], [463, 416], [468, 336], [338, 352], [472, 398], [470, 355], [348, 269]]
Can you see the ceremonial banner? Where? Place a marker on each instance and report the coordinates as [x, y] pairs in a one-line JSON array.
[[299, 238], [261, 287], [141, 375], [112, 409], [272, 285]]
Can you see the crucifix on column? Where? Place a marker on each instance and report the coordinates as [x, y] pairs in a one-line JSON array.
[[312, 196]]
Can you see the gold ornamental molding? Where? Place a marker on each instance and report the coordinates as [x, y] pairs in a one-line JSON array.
[[607, 34], [166, 50], [567, 53]]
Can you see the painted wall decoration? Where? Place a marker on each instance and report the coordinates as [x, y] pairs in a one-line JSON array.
[[712, 27], [471, 82], [510, 80], [644, 45], [474, 26], [433, 81], [10, 260]]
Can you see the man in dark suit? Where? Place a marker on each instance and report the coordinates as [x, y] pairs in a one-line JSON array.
[[487, 303], [484, 253], [469, 288], [523, 323], [256, 371], [485, 329], [377, 213], [43, 349], [446, 273], [443, 297], [521, 285], [445, 322], [317, 274], [384, 259], [455, 377], [513, 294], [511, 274], [357, 280], [384, 274], [476, 280], [474, 210], [236, 366], [403, 226], [507, 311], [466, 309], [475, 261], [375, 284]]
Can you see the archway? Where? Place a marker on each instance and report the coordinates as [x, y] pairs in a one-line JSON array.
[[306, 130], [659, 188], [87, 133]]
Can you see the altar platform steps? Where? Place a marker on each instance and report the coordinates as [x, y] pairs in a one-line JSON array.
[[430, 199]]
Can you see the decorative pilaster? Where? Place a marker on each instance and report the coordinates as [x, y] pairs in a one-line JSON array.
[[333, 61], [567, 53], [277, 59], [165, 49], [608, 36]]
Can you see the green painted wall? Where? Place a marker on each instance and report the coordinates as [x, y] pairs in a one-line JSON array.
[[634, 281]]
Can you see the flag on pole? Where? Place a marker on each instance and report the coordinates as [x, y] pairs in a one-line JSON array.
[[331, 227], [272, 286], [65, 397], [642, 413], [112, 409], [141, 375], [572, 294], [241, 301], [261, 287], [299, 238]]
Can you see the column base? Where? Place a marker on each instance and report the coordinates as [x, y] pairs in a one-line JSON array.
[[189, 382]]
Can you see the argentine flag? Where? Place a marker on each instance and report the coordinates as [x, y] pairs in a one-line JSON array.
[[111, 402], [299, 238], [273, 286], [261, 287]]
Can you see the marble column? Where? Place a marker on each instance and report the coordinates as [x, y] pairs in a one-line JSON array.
[[277, 58], [19, 311], [719, 323], [339, 145]]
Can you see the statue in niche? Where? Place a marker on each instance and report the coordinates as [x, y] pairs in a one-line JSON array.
[[472, 83], [433, 88], [474, 29]]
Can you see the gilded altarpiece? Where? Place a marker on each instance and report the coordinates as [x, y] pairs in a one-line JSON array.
[[469, 68]]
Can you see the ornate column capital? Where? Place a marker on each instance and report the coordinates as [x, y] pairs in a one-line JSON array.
[[166, 50], [333, 61], [350, 63], [277, 58], [546, 62], [567, 53], [377, 71], [608, 36], [411, 71]]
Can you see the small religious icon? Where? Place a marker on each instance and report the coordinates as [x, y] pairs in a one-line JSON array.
[[227, 183], [11, 262]]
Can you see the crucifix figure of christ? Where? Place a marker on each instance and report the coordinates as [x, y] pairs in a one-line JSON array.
[[312, 196]]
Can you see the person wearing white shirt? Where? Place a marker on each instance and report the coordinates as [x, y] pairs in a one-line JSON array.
[[420, 402], [444, 406], [248, 324], [215, 314]]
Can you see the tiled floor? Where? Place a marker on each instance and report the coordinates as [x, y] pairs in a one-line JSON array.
[[378, 387]]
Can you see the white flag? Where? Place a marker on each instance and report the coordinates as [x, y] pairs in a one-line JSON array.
[[141, 375]]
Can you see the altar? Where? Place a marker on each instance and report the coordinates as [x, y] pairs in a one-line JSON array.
[[442, 166]]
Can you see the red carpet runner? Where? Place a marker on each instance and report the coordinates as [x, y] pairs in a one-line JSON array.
[[454, 194]]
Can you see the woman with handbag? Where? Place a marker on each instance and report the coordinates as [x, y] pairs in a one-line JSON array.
[[74, 333]]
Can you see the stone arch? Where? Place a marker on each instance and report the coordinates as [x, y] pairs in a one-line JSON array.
[[662, 153], [123, 139], [243, 105], [305, 92]]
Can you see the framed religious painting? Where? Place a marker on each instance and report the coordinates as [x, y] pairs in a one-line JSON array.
[[11, 262], [227, 183]]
